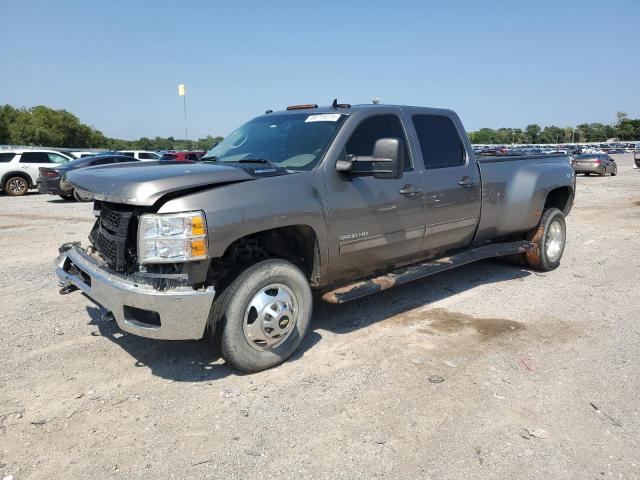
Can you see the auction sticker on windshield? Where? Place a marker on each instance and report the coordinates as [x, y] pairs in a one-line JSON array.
[[323, 117]]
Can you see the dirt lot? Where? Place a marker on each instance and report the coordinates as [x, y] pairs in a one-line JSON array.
[[526, 359]]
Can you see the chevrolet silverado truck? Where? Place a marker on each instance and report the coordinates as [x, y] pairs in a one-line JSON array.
[[345, 200]]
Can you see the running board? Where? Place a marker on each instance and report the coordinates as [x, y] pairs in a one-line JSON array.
[[425, 269]]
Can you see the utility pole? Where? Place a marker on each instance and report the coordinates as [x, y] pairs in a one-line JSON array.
[[182, 91]]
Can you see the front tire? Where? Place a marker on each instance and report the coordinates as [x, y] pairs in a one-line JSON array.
[[549, 239], [16, 186], [263, 315], [80, 198]]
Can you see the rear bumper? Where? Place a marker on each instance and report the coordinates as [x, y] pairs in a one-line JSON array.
[[175, 314], [588, 169], [51, 186]]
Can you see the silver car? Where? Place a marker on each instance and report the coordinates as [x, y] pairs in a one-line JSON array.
[[598, 163]]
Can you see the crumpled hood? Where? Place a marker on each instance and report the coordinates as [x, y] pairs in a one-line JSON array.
[[145, 183]]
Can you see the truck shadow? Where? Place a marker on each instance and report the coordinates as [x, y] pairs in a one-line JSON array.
[[181, 361], [367, 311], [196, 361]]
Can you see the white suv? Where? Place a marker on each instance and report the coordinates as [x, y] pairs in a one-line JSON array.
[[142, 155], [19, 168]]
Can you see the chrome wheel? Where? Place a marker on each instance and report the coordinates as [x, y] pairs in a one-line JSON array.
[[555, 241], [270, 317], [17, 186]]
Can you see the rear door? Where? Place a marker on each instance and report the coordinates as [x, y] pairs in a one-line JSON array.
[[32, 161], [452, 183], [373, 222]]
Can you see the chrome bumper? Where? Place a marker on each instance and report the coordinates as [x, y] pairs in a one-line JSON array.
[[175, 314]]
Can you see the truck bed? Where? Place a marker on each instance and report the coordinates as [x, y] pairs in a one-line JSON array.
[[512, 197]]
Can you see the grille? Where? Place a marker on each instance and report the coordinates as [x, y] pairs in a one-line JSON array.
[[113, 241]]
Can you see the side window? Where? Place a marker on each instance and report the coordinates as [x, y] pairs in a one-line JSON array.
[[372, 129], [6, 157], [148, 156], [34, 157], [128, 154], [102, 161], [55, 158], [126, 159], [192, 156], [439, 141]]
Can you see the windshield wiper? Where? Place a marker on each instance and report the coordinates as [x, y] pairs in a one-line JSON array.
[[212, 158], [256, 160]]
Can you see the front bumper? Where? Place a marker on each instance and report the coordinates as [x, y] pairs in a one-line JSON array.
[[176, 314]]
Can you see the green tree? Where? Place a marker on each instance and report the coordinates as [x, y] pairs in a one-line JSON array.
[[551, 134], [533, 133]]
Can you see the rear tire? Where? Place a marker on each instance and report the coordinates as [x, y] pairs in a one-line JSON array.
[[66, 197], [263, 315], [586, 174], [16, 186], [549, 239]]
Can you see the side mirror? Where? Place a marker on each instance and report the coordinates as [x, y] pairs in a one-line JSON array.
[[387, 161]]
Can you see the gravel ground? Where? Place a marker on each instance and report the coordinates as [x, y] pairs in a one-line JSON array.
[[541, 370]]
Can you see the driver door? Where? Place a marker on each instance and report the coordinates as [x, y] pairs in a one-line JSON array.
[[374, 223]]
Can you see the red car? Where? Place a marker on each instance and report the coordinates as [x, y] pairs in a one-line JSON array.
[[193, 156]]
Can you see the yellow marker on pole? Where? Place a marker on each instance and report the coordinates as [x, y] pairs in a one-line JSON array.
[[181, 90]]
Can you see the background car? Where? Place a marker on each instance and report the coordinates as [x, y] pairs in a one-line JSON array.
[[19, 168], [53, 180], [599, 163], [142, 155], [636, 156], [193, 156]]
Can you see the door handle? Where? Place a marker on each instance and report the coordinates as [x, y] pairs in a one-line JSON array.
[[409, 190], [466, 182]]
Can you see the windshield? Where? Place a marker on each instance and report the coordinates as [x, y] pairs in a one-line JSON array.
[[293, 142]]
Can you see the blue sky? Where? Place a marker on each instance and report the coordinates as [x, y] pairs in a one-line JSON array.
[[116, 64]]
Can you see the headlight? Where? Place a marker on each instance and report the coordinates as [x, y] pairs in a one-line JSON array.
[[172, 237]]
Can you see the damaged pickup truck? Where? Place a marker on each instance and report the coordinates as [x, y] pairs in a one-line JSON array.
[[345, 200]]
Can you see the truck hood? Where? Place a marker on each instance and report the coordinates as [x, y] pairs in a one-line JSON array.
[[145, 183]]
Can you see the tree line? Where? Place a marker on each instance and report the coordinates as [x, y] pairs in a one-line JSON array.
[[624, 129], [46, 127]]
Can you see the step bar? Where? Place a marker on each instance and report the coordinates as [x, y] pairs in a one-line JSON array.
[[414, 272]]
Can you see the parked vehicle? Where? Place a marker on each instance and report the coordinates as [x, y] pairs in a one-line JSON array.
[[54, 180], [636, 156], [79, 154], [142, 155], [345, 200], [19, 168], [598, 163], [194, 156]]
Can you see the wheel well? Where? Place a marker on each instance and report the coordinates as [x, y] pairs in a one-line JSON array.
[[6, 177], [559, 198], [297, 244]]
